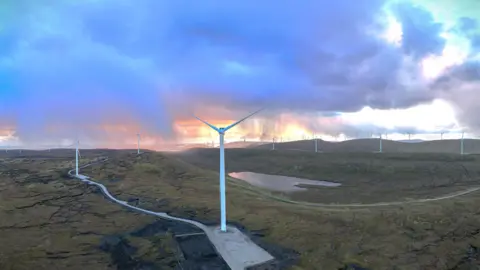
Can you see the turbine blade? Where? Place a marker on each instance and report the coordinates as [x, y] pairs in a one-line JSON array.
[[208, 124], [241, 120]]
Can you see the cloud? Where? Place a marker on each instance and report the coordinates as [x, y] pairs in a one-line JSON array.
[[460, 85], [421, 34], [87, 63]]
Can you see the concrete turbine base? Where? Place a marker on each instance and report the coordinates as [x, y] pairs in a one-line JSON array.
[[238, 250]]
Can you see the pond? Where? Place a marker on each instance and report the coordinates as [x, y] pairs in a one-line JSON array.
[[279, 182]]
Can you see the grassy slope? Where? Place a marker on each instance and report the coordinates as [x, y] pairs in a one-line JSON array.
[[371, 145], [428, 236], [366, 177], [48, 221]]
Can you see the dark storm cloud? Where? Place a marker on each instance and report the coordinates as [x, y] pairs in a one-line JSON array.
[[87, 62], [467, 24], [461, 85], [466, 73], [470, 28], [421, 34]]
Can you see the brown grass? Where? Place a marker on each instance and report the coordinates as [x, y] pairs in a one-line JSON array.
[[49, 221], [471, 146], [439, 235], [365, 177]]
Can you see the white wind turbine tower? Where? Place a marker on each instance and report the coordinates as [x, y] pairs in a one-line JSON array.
[[138, 143], [77, 154], [380, 146], [316, 143], [273, 143], [461, 144], [221, 132]]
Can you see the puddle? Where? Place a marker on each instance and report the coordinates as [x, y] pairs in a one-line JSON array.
[[279, 182]]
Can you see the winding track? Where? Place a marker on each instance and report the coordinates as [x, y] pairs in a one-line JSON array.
[[360, 205], [105, 192], [251, 253], [228, 245], [266, 194]]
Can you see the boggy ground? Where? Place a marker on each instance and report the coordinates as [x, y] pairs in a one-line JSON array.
[[50, 221], [436, 235], [369, 145], [365, 177]]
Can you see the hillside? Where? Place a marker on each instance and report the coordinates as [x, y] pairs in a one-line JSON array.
[[471, 146], [49, 221]]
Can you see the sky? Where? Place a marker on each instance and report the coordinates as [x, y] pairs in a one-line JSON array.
[[104, 70]]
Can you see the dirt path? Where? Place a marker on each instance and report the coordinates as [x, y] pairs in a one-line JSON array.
[[355, 205], [237, 250]]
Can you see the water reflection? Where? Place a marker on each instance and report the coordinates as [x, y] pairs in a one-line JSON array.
[[279, 182]]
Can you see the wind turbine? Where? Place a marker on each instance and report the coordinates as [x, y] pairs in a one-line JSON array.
[[441, 135], [77, 154], [221, 132], [138, 143], [380, 146], [461, 144], [273, 143], [316, 144]]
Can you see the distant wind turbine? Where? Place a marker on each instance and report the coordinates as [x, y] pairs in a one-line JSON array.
[[273, 143], [441, 136], [138, 143], [461, 144], [77, 154], [380, 146], [221, 132], [316, 144]]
